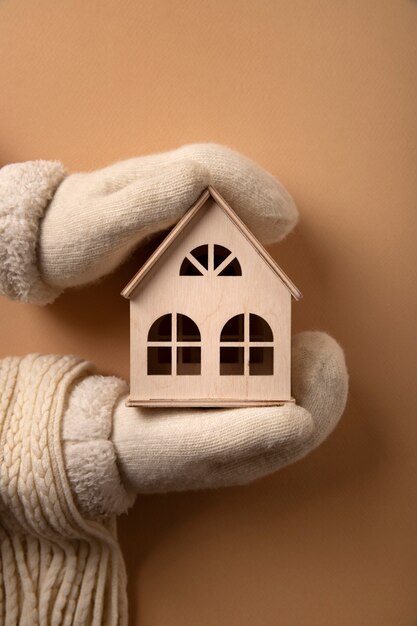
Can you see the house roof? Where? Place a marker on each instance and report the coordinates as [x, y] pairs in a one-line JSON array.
[[186, 219]]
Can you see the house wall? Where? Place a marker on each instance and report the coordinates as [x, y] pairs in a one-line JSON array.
[[210, 301]]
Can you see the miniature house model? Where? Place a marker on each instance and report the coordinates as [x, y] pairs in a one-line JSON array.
[[210, 315]]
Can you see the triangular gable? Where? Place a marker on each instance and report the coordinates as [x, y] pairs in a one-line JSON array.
[[186, 219]]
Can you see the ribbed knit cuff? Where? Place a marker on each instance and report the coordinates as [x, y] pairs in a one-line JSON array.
[[90, 457], [25, 191]]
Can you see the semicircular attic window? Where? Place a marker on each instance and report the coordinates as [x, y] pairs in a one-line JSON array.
[[210, 259]]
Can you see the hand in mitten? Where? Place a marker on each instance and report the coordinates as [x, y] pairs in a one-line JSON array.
[[113, 451], [60, 231]]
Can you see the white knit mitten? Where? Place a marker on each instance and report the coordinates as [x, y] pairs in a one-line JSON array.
[[62, 231], [157, 450]]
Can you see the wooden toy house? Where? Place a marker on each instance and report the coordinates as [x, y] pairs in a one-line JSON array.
[[210, 316]]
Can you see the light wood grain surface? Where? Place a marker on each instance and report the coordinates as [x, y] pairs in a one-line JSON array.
[[324, 95], [210, 301]]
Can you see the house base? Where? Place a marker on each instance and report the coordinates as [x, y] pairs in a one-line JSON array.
[[213, 403]]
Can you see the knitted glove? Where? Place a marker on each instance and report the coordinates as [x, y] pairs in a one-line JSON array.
[[113, 451], [60, 231]]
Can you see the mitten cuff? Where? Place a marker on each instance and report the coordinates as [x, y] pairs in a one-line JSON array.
[[90, 457], [25, 191]]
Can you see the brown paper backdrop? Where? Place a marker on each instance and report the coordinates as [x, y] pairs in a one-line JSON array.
[[323, 93]]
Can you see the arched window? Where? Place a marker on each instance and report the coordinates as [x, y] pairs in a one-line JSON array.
[[174, 346], [210, 258], [246, 346]]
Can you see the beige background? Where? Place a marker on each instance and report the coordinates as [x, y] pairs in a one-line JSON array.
[[324, 94]]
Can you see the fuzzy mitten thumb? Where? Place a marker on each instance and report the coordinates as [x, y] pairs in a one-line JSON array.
[[59, 231]]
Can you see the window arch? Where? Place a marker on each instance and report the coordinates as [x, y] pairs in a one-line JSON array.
[[246, 346], [210, 258], [174, 346]]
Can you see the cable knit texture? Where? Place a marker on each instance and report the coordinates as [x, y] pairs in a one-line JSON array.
[[25, 190], [56, 566]]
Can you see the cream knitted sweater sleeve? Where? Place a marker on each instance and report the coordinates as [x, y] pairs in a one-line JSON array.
[[57, 565]]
